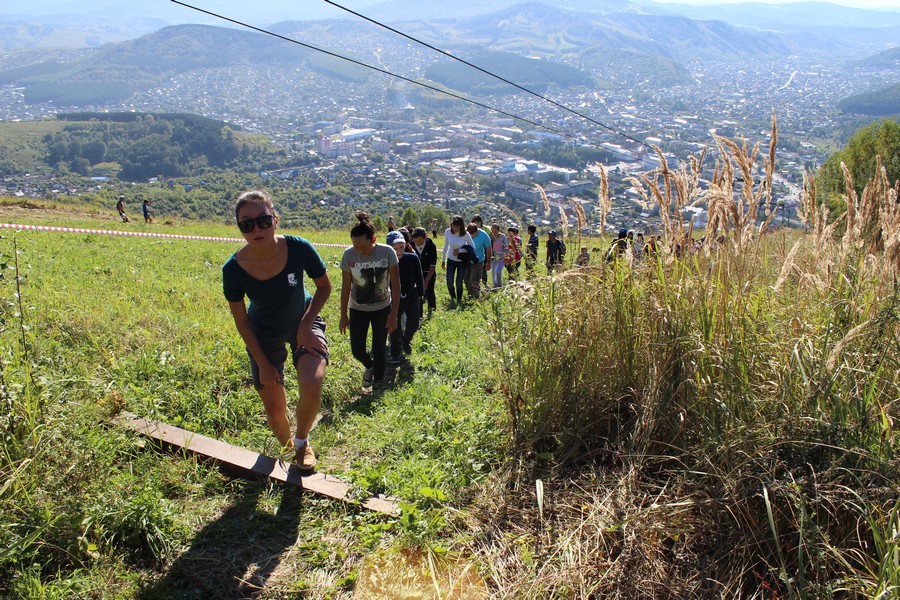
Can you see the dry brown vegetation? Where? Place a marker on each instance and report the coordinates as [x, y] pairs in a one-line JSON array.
[[716, 426]]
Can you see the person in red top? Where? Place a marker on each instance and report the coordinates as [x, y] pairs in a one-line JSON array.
[[513, 256]]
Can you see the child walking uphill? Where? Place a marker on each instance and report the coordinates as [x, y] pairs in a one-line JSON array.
[[269, 270], [370, 296]]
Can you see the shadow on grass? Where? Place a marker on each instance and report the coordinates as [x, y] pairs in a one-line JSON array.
[[364, 402], [236, 555]]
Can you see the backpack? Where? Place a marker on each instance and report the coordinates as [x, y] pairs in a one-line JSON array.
[[467, 255]]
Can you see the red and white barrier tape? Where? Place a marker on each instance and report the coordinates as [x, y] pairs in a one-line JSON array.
[[135, 233]]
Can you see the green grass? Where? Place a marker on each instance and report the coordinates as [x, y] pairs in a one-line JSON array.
[[719, 426], [141, 324], [22, 144]]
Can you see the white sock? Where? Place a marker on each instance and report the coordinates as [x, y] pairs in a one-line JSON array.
[[299, 443]]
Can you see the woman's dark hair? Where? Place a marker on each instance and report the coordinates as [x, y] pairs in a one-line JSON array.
[[365, 227], [459, 222], [418, 232], [253, 197]]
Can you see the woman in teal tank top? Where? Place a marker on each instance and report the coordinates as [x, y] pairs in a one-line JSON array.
[[269, 270]]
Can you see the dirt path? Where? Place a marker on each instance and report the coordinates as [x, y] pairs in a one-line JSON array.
[[30, 212]]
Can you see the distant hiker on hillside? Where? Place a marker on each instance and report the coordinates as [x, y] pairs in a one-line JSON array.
[[482, 263], [370, 297], [427, 252], [120, 206], [148, 215], [618, 247], [583, 259], [513, 257], [269, 271], [531, 250], [453, 260], [479, 221], [499, 248], [556, 251], [637, 247]]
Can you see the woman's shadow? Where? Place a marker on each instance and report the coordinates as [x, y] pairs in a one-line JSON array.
[[236, 555]]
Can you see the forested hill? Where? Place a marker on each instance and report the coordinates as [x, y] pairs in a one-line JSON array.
[[887, 59], [141, 145], [115, 71], [879, 103], [531, 73]]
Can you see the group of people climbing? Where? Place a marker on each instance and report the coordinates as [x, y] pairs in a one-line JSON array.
[[385, 290]]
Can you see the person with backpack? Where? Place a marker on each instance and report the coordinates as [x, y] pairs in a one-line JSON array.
[[457, 266], [556, 251], [619, 246]]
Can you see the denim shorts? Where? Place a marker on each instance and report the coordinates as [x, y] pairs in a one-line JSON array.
[[273, 345]]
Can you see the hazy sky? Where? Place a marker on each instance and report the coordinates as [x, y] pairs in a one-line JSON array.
[[891, 4], [46, 6]]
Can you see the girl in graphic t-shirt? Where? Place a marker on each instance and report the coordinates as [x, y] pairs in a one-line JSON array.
[[370, 296], [269, 271]]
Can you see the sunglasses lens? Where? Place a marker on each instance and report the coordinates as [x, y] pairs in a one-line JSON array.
[[262, 222]]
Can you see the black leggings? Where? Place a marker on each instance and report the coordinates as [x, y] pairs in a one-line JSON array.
[[359, 332], [429, 293], [458, 271], [404, 335]]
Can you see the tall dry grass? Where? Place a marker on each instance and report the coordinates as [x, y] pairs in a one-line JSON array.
[[719, 426]]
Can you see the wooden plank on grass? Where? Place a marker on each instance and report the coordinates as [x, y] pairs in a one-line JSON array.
[[247, 460]]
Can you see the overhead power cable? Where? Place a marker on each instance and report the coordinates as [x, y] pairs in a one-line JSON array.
[[385, 72], [489, 73]]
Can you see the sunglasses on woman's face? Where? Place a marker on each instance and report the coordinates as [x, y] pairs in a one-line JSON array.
[[262, 221]]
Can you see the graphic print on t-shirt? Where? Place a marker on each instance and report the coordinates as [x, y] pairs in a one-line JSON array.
[[370, 281]]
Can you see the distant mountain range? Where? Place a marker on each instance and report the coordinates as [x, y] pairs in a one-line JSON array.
[[89, 23], [612, 40]]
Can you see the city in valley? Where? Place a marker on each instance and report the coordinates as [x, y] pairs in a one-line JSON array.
[[369, 129]]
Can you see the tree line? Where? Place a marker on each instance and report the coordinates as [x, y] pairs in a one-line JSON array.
[[143, 145]]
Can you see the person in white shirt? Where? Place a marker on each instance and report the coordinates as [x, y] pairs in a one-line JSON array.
[[456, 263]]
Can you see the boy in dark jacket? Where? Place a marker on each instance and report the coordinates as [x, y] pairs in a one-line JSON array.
[[428, 256], [412, 288]]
